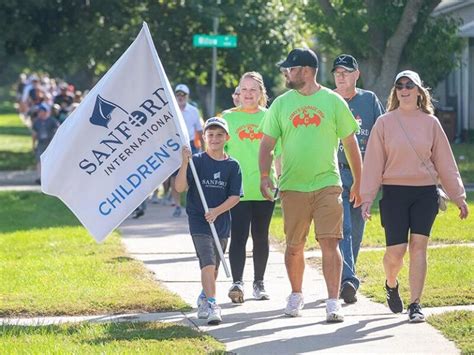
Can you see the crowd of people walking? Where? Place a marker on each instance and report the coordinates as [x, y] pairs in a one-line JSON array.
[[43, 104], [325, 153], [36, 91]]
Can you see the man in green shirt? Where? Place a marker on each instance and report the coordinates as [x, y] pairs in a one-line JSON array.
[[310, 120]]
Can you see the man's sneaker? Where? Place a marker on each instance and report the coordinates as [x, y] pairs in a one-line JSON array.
[[214, 317], [414, 313], [154, 199], [203, 307], [177, 212], [236, 292], [334, 312], [138, 213], [294, 305], [393, 299], [259, 291], [348, 293]]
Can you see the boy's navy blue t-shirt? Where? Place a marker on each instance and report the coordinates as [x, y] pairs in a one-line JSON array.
[[220, 179]]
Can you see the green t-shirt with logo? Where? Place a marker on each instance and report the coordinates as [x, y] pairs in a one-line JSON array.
[[309, 128], [244, 145]]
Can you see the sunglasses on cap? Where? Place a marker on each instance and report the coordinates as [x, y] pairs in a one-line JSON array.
[[409, 85]]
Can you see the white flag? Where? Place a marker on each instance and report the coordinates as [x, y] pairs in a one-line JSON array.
[[119, 144]]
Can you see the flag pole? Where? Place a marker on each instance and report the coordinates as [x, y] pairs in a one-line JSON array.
[[211, 224], [181, 135]]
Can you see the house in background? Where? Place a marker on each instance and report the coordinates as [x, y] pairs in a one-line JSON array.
[[456, 92]]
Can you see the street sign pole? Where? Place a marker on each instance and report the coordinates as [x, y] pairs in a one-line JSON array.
[[214, 69]]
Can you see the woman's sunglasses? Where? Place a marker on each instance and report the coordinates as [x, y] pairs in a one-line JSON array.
[[409, 85]]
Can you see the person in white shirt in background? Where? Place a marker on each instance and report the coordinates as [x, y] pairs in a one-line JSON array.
[[194, 125]]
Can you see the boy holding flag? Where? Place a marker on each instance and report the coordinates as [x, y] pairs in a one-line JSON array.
[[221, 182]]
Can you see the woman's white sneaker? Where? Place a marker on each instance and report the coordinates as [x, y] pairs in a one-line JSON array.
[[236, 292], [259, 292]]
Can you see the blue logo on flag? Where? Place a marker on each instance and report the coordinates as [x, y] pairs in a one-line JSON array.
[[103, 109]]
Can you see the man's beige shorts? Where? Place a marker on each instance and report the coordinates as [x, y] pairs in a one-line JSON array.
[[324, 207]]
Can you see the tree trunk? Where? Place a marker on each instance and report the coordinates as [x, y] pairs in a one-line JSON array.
[[394, 48], [379, 68]]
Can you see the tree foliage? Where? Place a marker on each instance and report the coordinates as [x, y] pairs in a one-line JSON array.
[[81, 39], [387, 36]]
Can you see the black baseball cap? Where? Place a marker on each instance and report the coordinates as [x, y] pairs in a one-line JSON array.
[[300, 57], [345, 61]]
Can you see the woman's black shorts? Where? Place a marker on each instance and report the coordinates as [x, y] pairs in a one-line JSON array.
[[407, 209]]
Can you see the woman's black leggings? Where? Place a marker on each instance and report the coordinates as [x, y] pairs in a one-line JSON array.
[[246, 215]]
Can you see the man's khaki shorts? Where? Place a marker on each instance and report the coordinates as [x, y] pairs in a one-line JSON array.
[[324, 207]]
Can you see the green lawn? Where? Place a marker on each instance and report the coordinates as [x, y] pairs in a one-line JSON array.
[[50, 265], [15, 144], [448, 228], [464, 154], [448, 281], [107, 338], [457, 326]]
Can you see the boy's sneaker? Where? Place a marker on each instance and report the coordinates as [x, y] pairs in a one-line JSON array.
[[203, 307], [393, 299], [294, 305], [334, 312], [154, 199], [236, 292], [177, 212], [214, 317], [349, 293], [259, 291], [414, 313]]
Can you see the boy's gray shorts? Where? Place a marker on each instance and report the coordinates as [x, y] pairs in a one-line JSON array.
[[206, 250]]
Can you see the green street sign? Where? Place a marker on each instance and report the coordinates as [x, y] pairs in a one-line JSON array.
[[219, 41]]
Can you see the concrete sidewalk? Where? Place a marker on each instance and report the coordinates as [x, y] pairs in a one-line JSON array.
[[259, 327], [23, 180]]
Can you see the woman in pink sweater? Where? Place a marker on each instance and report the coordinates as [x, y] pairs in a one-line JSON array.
[[407, 153]]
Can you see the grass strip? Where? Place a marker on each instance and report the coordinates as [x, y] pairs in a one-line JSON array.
[[448, 281], [464, 155], [51, 266], [15, 144], [107, 338], [457, 326]]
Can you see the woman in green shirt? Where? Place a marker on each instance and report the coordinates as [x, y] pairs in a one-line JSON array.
[[253, 212]]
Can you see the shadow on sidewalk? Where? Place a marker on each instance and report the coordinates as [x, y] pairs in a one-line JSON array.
[[330, 336], [351, 334]]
